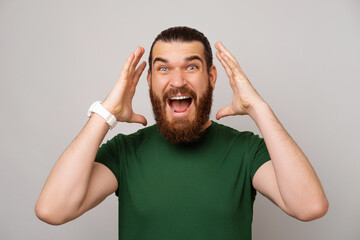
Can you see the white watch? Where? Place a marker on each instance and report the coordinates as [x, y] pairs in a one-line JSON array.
[[96, 107]]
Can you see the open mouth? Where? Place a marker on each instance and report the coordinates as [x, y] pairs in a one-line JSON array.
[[180, 104]]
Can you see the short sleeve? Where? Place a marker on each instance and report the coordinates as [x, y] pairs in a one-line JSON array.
[[259, 154], [108, 155]]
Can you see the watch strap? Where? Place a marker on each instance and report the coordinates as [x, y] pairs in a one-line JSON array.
[[98, 108]]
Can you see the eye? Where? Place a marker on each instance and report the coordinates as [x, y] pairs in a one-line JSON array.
[[162, 69], [192, 67]]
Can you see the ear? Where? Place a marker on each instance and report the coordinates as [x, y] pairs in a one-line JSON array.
[[149, 77], [212, 76]]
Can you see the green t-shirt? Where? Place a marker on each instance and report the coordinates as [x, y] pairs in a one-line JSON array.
[[199, 191]]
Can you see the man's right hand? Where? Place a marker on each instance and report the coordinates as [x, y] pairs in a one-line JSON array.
[[119, 101], [77, 183]]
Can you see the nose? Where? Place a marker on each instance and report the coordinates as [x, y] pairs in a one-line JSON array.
[[177, 79]]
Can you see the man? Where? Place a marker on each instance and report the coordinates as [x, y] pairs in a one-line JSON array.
[[186, 177]]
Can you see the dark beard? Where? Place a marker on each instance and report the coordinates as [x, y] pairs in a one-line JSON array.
[[183, 131]]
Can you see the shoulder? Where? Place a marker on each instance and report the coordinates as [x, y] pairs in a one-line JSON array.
[[141, 133], [229, 132], [245, 141], [136, 138]]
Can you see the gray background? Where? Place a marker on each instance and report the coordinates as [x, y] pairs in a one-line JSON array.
[[57, 57]]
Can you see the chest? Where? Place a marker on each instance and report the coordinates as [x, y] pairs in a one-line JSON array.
[[203, 185]]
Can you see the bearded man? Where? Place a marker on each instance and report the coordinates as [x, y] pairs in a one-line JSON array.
[[186, 177]]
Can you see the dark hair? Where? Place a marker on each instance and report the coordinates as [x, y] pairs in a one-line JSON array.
[[184, 34]]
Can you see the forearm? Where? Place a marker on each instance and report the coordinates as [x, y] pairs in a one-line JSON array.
[[299, 186], [68, 181], [75, 184]]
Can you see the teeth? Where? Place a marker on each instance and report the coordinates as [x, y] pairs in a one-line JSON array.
[[179, 98]]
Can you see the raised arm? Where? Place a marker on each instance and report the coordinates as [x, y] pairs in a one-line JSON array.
[[77, 183], [288, 179]]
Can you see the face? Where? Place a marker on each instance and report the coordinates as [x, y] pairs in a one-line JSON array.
[[181, 89]]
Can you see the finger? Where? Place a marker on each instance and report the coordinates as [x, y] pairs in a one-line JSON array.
[[221, 48], [235, 68], [139, 51], [137, 118], [224, 112], [125, 68], [138, 72], [225, 65]]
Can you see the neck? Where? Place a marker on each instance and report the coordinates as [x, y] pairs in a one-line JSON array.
[[207, 124]]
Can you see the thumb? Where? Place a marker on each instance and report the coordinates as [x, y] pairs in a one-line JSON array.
[[137, 118], [224, 112]]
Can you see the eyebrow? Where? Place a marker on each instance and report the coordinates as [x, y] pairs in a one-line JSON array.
[[188, 59], [195, 57], [159, 59]]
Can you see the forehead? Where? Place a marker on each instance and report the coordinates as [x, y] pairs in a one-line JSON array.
[[177, 51]]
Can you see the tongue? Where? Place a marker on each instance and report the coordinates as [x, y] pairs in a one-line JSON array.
[[180, 105]]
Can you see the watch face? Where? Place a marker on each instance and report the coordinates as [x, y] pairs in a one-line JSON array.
[[91, 109]]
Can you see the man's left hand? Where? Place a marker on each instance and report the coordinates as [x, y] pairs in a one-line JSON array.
[[245, 96]]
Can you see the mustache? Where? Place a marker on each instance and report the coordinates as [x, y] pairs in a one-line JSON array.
[[182, 91]]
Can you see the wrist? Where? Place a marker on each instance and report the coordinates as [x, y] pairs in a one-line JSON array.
[[108, 107], [100, 110], [257, 109], [99, 121]]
